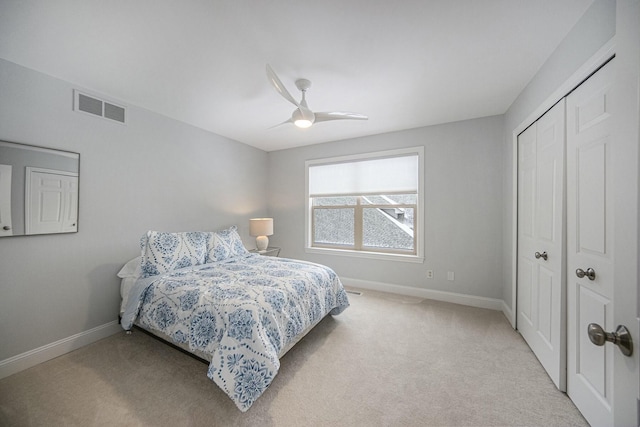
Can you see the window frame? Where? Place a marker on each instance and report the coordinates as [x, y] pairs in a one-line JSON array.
[[417, 255]]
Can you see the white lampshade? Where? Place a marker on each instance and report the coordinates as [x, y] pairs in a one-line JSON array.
[[261, 228]]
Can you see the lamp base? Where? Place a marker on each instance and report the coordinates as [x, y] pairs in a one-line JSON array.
[[262, 242]]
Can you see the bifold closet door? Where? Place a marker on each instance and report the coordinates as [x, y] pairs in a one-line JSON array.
[[541, 238], [590, 245]]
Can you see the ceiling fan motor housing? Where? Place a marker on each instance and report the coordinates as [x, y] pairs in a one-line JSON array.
[[303, 84]]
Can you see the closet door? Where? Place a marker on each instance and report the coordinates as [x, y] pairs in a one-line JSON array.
[[590, 245], [541, 284]]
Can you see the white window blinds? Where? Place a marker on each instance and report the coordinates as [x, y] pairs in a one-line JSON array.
[[398, 174]]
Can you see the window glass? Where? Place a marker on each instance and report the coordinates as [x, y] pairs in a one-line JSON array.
[[335, 201], [334, 227], [388, 228]]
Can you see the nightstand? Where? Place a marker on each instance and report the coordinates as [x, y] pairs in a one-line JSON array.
[[270, 251]]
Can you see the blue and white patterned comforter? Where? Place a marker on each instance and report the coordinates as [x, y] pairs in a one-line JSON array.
[[242, 311]]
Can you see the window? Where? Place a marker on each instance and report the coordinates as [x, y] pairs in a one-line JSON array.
[[366, 205]]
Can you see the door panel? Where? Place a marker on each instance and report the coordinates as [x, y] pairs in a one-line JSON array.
[[545, 304], [70, 220], [591, 170], [594, 309], [525, 279], [547, 186], [50, 205], [591, 111]]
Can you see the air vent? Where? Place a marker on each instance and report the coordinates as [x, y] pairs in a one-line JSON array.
[[95, 106], [89, 105], [114, 112]]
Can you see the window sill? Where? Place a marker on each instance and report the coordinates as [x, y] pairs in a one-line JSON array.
[[367, 255]]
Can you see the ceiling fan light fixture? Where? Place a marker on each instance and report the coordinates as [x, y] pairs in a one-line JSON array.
[[302, 123], [301, 120]]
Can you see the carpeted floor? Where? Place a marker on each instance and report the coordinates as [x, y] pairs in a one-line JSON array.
[[386, 361]]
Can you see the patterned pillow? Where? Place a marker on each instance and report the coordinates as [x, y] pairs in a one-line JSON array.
[[163, 252], [225, 244]]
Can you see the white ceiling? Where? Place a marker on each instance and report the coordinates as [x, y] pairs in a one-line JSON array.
[[404, 63]]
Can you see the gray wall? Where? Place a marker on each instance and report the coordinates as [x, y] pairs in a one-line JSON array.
[[153, 173], [463, 206], [596, 27]]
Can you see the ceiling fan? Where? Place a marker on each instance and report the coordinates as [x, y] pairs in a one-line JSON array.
[[302, 116]]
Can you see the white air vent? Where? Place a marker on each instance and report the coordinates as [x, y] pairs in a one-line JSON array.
[[90, 104]]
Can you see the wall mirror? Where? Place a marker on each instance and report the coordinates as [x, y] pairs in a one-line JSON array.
[[38, 190]]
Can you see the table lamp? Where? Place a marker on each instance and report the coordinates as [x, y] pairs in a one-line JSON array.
[[261, 228]]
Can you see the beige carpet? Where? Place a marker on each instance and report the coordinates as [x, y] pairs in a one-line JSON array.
[[386, 361]]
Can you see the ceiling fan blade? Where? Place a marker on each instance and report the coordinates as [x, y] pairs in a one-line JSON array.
[[283, 123], [339, 115], [279, 87]]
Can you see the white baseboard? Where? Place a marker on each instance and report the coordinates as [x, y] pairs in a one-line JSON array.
[[470, 300], [39, 355], [508, 313]]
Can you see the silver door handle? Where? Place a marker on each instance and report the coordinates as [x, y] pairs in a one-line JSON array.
[[621, 337], [542, 255], [590, 273]]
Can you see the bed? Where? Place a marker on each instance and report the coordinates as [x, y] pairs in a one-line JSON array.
[[205, 293]]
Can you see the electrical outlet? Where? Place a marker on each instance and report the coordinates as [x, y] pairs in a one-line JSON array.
[[450, 275], [429, 274]]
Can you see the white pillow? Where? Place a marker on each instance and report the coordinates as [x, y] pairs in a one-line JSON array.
[[131, 269]]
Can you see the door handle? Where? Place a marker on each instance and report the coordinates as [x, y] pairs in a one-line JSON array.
[[6, 228], [621, 337], [542, 255], [590, 273]]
